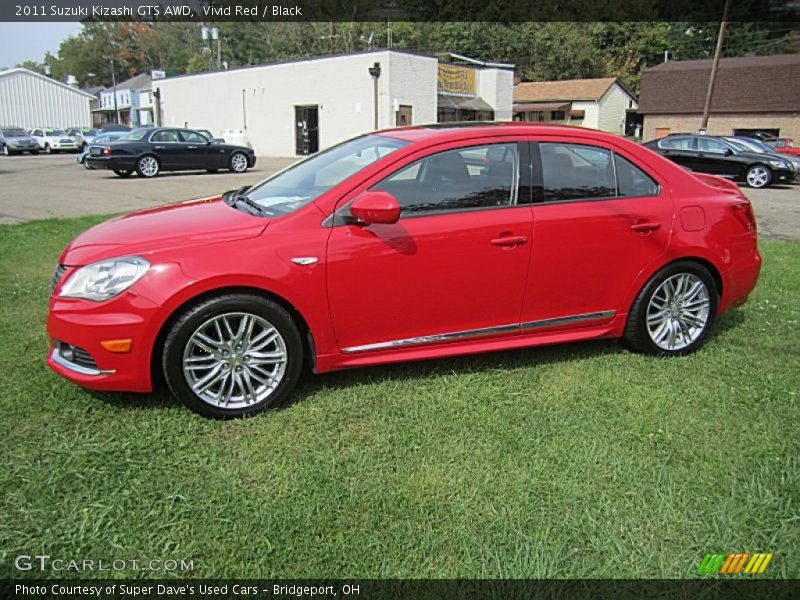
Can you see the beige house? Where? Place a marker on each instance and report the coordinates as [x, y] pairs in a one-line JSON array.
[[603, 104], [751, 94]]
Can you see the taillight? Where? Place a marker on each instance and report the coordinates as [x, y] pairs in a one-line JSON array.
[[744, 212], [106, 151]]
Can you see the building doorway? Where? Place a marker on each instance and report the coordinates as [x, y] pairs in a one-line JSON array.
[[306, 120], [404, 114]]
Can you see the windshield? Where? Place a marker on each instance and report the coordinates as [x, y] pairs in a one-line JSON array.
[[748, 145], [738, 145], [137, 135], [55, 132], [13, 132], [307, 180], [90, 131]]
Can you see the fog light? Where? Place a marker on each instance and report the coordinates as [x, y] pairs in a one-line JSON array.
[[65, 350]]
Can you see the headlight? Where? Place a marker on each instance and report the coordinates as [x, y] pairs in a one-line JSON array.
[[779, 164], [104, 280]]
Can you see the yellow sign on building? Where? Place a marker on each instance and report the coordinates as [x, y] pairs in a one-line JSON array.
[[454, 79]]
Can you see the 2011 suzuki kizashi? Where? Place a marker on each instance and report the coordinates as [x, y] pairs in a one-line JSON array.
[[405, 244]]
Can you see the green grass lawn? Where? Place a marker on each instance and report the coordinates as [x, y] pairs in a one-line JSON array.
[[581, 460]]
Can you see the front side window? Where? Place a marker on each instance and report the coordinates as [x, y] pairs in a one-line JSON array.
[[575, 172], [298, 185], [465, 178], [710, 145]]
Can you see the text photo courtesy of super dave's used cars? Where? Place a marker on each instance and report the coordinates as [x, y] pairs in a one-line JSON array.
[[406, 244]]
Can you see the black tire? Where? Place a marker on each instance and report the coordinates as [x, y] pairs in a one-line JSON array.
[[637, 336], [143, 163], [194, 318], [35, 152], [6, 151], [767, 174], [236, 157], [120, 172], [48, 149]]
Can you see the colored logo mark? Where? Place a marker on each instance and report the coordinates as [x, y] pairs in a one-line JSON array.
[[734, 563]]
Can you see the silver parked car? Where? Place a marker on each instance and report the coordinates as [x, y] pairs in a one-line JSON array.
[[15, 140], [82, 136]]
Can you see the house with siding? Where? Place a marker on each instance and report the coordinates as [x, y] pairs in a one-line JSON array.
[[605, 104], [134, 103], [751, 93]]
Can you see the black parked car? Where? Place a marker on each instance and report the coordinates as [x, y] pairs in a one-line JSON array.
[[709, 154], [148, 151]]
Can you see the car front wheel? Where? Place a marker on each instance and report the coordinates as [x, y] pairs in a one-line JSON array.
[[6, 151], [48, 149], [758, 176], [148, 166], [120, 172], [674, 311], [233, 356], [238, 162]]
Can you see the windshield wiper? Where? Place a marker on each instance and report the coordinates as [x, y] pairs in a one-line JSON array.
[[239, 198]]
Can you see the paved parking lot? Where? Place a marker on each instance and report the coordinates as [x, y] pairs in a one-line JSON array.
[[38, 187]]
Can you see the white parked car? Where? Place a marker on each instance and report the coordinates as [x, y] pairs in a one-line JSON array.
[[54, 140], [82, 136]]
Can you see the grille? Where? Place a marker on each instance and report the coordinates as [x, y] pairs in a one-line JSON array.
[[57, 275], [75, 355]]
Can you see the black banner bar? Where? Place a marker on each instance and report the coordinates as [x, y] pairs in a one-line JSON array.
[[398, 10]]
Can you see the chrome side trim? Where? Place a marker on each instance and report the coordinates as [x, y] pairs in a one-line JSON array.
[[304, 260], [60, 360], [595, 316], [429, 339]]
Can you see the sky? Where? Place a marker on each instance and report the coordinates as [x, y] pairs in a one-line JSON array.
[[29, 41]]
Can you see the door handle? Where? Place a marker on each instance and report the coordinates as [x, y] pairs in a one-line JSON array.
[[192, 147], [645, 226], [159, 147], [510, 240]]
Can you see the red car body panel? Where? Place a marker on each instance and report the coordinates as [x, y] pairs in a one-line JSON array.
[[786, 146], [422, 276]]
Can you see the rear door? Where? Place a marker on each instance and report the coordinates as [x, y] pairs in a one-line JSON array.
[[169, 148], [599, 219]]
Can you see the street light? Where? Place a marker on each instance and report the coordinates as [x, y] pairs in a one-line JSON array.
[[375, 72]]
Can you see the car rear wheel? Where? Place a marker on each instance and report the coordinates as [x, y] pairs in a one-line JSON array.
[[120, 172], [238, 162], [758, 176], [233, 356], [674, 311], [148, 166]]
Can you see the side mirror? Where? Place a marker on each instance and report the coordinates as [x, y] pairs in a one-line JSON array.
[[727, 152], [376, 207]]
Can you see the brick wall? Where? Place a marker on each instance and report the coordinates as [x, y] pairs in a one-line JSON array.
[[724, 124]]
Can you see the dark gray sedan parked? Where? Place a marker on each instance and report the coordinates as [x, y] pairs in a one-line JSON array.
[[15, 140]]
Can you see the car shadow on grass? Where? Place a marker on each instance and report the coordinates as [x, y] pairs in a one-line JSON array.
[[508, 360]]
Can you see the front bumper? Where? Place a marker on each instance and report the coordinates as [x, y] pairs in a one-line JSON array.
[[23, 146], [783, 175], [59, 145], [85, 325]]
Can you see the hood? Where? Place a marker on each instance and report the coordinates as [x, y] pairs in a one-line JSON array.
[[203, 221]]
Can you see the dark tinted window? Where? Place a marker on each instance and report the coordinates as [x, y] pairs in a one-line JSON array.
[[677, 143], [573, 172], [631, 180], [193, 137], [474, 177]]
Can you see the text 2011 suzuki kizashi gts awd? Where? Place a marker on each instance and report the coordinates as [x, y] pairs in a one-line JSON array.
[[406, 244]]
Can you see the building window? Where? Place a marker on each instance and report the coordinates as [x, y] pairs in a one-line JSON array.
[[557, 115], [577, 115]]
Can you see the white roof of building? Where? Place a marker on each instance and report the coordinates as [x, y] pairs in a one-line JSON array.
[[22, 71]]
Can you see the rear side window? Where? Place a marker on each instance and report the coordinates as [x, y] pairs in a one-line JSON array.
[[631, 180], [576, 172], [676, 143], [465, 178]]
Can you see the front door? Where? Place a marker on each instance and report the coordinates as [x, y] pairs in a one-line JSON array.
[[712, 158], [306, 119], [453, 267], [404, 114], [599, 220], [169, 148]]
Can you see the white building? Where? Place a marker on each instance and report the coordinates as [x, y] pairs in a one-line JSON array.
[[30, 100], [603, 104], [133, 102], [301, 106]]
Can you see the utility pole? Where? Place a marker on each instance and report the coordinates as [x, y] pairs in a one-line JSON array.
[[723, 26], [114, 87], [375, 72]]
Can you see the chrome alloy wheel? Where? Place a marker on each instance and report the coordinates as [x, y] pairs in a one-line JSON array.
[[678, 311], [758, 177], [239, 162], [234, 360], [148, 166]]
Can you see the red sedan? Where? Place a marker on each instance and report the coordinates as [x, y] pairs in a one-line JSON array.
[[405, 244]]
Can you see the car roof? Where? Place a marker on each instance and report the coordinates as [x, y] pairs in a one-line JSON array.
[[477, 129]]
